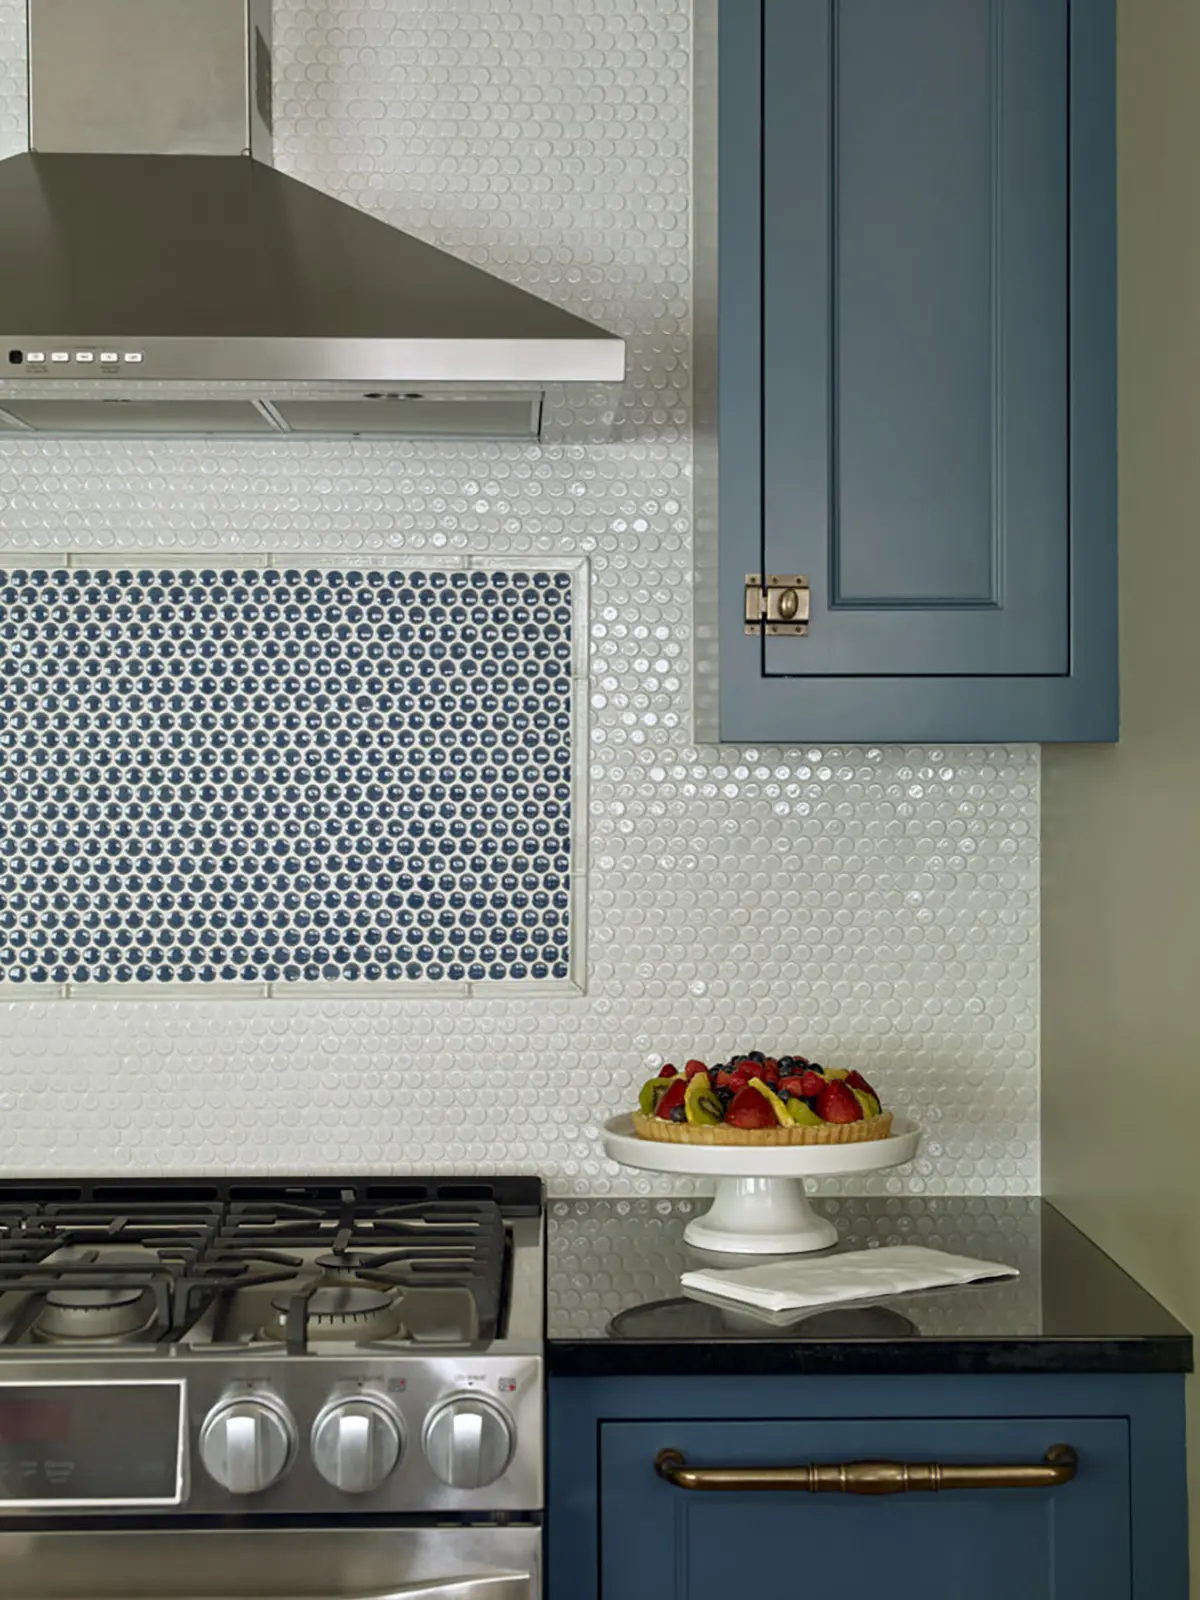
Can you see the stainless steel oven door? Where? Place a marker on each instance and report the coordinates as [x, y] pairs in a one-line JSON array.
[[327, 1563]]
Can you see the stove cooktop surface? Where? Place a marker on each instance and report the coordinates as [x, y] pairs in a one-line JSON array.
[[307, 1267]]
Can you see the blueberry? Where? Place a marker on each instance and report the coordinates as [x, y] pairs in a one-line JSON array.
[[678, 1114], [784, 1094], [785, 1061], [810, 1100], [724, 1095], [754, 1055]]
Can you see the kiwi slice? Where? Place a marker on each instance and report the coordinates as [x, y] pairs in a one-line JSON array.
[[802, 1114], [701, 1104], [651, 1093], [870, 1106]]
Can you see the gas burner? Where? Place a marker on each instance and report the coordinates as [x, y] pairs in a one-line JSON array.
[[338, 1311], [90, 1313], [342, 1269]]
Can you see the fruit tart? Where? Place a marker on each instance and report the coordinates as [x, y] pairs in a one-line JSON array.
[[755, 1099]]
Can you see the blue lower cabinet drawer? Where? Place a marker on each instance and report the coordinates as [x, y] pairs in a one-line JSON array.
[[729, 1538]]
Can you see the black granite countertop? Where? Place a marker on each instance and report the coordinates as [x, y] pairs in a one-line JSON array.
[[615, 1306]]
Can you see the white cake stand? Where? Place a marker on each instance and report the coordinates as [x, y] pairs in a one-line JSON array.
[[760, 1206]]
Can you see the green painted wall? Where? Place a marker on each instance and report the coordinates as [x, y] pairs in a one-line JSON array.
[[1121, 825]]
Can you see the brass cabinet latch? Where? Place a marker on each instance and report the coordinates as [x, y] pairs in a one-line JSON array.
[[777, 605]]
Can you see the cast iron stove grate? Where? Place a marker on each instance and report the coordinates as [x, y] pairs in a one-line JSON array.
[[189, 1256], [456, 1246]]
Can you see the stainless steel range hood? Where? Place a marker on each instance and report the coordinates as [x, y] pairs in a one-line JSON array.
[[157, 275]]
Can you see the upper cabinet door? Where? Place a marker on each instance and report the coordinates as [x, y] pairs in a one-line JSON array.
[[932, 442], [915, 332]]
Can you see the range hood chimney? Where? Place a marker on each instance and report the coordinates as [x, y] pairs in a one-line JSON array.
[[159, 276]]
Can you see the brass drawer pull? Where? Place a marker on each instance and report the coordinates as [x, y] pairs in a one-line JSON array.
[[870, 1477]]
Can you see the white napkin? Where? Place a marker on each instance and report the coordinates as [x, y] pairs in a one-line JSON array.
[[858, 1275]]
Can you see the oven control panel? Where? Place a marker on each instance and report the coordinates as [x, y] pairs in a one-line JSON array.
[[297, 1435], [102, 1446]]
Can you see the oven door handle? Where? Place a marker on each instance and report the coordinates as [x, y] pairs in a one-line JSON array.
[[488, 1586]]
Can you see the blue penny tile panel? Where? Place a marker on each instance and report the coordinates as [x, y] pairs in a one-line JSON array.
[[284, 775]]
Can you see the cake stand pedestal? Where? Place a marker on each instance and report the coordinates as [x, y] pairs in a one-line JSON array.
[[760, 1206]]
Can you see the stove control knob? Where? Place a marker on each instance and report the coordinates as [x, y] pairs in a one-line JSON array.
[[468, 1441], [356, 1442], [247, 1444]]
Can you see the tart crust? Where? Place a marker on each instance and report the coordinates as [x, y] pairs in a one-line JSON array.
[[664, 1132]]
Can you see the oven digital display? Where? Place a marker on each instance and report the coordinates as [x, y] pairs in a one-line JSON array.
[[91, 1444], [24, 1421]]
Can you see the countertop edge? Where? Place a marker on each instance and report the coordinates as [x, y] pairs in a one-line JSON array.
[[588, 1358]]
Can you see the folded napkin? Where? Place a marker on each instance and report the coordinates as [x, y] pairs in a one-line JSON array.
[[858, 1275]]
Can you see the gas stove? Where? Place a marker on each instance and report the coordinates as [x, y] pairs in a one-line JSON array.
[[294, 1348]]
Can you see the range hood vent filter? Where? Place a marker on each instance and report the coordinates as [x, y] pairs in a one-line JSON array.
[[327, 417]]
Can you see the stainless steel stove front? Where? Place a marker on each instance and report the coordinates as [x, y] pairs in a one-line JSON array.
[[191, 1411], [444, 1563], [179, 1434]]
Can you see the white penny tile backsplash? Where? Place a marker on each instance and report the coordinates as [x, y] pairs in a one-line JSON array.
[[874, 907]]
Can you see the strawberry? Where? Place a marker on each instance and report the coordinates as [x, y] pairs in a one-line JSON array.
[[769, 1071], [811, 1083], [693, 1067], [837, 1104], [794, 1085], [676, 1095], [724, 1080], [751, 1109], [855, 1080], [668, 1071]]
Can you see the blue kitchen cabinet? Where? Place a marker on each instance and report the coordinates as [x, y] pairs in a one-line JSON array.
[[912, 376], [991, 1545], [1117, 1530]]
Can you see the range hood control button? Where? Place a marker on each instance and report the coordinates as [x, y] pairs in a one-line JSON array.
[[356, 1443], [247, 1444]]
